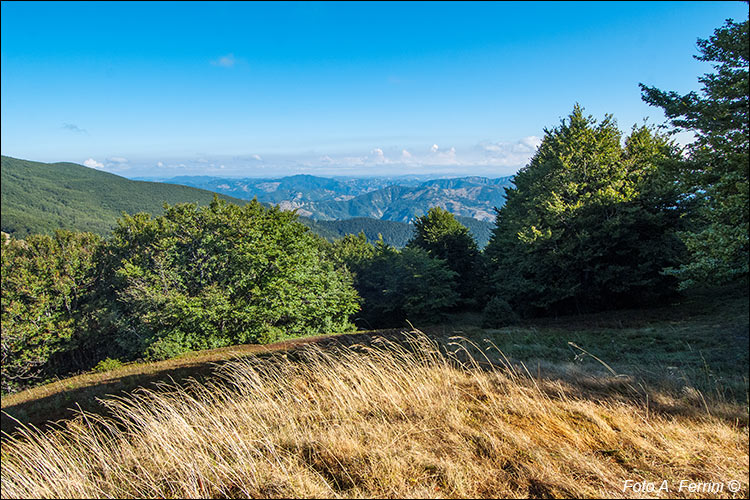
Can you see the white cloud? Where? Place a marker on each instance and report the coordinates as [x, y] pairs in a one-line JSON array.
[[491, 158], [353, 160], [118, 159], [226, 61], [532, 142], [438, 157], [508, 154], [92, 163]]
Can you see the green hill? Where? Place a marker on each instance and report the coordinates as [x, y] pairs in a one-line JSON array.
[[41, 197]]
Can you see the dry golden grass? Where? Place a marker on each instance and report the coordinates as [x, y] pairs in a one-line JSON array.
[[391, 420]]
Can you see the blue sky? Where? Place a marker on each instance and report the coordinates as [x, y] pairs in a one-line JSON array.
[[254, 89]]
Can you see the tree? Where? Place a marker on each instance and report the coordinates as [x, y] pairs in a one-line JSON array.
[[715, 179], [589, 224], [46, 281], [440, 235], [199, 278], [396, 285], [351, 250]]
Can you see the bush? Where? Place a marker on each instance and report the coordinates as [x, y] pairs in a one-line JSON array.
[[106, 365], [498, 313], [165, 348]]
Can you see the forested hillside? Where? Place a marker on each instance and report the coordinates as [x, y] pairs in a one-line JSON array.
[[42, 197], [394, 233]]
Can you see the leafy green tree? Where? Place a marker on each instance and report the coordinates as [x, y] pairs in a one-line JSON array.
[[396, 285], [589, 224], [352, 250], [443, 237], [715, 179], [46, 281], [199, 278]]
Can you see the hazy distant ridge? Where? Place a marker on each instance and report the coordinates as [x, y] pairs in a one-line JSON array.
[[393, 199]]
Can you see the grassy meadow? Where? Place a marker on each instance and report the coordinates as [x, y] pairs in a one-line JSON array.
[[566, 407]]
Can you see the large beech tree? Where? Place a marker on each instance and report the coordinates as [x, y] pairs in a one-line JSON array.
[[205, 277], [590, 223]]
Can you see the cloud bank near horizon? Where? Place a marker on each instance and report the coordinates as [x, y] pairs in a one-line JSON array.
[[492, 159]]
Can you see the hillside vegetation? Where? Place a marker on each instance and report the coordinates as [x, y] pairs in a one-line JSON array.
[[599, 340], [42, 197], [693, 349]]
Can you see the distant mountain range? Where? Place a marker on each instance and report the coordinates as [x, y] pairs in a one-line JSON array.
[[41, 197], [393, 199]]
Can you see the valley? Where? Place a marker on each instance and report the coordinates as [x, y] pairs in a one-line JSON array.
[[397, 199]]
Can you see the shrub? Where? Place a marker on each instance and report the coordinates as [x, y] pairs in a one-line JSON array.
[[498, 313], [106, 365]]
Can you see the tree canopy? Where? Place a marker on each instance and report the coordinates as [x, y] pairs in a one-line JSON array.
[[205, 277], [46, 281], [440, 235], [590, 223], [715, 179], [396, 285], [193, 278]]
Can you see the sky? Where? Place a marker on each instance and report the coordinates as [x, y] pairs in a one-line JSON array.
[[149, 89]]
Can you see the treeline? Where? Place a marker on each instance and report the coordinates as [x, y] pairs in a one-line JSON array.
[[596, 220]]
